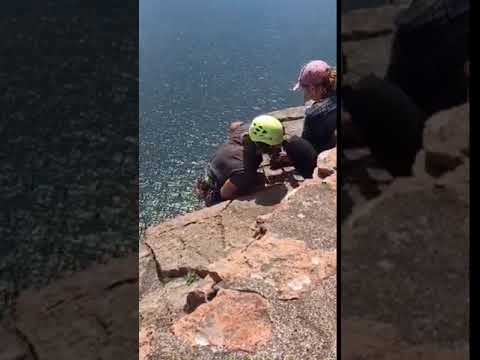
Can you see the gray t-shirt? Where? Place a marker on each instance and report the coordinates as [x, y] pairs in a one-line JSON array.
[[238, 159]]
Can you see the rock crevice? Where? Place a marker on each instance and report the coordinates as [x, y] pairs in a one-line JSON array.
[[158, 268]]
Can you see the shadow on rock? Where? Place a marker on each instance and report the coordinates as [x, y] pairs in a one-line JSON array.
[[268, 196]]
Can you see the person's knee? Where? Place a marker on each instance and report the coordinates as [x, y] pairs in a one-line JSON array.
[[302, 154]]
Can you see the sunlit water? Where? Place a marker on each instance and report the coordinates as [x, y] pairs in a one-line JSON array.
[[204, 63]]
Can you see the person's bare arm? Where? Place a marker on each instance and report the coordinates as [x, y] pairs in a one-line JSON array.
[[280, 160], [229, 191], [234, 125]]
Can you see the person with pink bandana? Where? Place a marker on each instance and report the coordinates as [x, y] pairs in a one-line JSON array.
[[318, 81]]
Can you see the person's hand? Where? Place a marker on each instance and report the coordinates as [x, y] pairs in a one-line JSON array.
[[234, 124], [279, 160]]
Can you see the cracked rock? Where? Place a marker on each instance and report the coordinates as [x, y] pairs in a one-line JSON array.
[[367, 23], [326, 163], [288, 266], [149, 271], [233, 320], [430, 250], [375, 340], [12, 347], [446, 140], [365, 57], [203, 293], [317, 201], [269, 276], [77, 314]]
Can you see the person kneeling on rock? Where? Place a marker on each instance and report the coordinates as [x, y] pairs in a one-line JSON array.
[[233, 170]]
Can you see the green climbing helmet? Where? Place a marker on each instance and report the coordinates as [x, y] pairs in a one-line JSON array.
[[266, 129]]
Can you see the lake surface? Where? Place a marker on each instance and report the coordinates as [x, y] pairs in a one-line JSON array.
[[204, 63]]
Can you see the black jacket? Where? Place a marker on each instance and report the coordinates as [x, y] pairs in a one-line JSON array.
[[321, 123]]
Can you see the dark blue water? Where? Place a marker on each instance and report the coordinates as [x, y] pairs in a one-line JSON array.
[[204, 63]]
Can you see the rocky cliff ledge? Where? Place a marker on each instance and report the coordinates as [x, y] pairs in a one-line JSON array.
[[405, 255], [405, 241], [253, 276]]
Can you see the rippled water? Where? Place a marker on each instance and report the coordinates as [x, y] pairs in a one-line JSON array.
[[204, 63]]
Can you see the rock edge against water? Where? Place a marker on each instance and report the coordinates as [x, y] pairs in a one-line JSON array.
[[267, 284], [265, 272]]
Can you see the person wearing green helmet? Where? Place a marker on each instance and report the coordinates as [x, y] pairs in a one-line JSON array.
[[233, 170], [266, 130]]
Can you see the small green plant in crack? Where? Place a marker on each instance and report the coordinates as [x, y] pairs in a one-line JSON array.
[[191, 278]]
